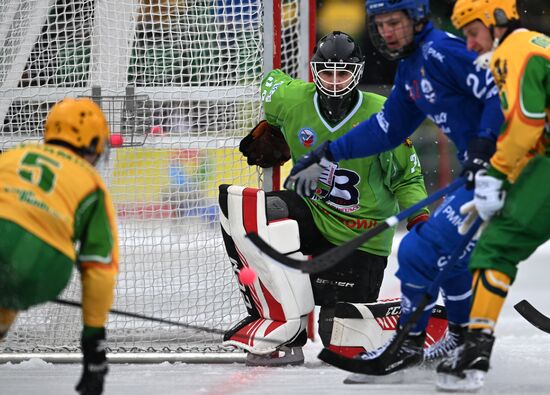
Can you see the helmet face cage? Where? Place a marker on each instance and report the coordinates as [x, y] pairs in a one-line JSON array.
[[380, 44], [336, 65], [336, 79], [417, 10]]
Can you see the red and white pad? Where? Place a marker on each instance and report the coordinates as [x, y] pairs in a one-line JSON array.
[[360, 327], [283, 298]]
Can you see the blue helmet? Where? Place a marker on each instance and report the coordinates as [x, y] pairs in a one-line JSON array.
[[417, 9]]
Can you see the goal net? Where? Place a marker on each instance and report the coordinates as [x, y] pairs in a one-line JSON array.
[[179, 81]]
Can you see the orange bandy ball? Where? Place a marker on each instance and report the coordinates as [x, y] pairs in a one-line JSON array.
[[116, 140], [247, 276]]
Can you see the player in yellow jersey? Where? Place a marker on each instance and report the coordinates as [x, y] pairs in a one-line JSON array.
[[513, 195], [55, 212]]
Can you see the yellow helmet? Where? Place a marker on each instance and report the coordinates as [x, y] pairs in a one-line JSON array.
[[489, 12], [79, 123]]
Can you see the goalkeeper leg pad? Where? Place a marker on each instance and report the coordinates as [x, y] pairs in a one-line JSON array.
[[282, 298], [363, 327]]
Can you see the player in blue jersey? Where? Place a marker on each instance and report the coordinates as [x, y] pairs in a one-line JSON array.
[[438, 79]]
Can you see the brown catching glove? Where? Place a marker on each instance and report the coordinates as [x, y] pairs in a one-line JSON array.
[[265, 146]]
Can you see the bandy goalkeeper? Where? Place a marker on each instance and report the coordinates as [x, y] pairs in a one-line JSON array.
[[352, 197], [51, 199]]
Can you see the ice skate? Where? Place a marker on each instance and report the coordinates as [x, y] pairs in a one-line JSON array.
[[443, 348], [466, 368], [284, 356]]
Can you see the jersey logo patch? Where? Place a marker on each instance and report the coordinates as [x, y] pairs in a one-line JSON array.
[[429, 51], [307, 137], [501, 72], [414, 91], [267, 98], [541, 41], [428, 90]]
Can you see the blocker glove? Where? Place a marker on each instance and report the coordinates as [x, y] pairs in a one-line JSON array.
[[477, 158], [265, 146], [305, 174], [95, 363]]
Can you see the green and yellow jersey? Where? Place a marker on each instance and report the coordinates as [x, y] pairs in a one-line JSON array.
[[353, 195], [60, 198], [521, 67]]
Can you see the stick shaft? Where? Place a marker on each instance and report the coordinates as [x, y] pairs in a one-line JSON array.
[[335, 255], [145, 317], [434, 288]]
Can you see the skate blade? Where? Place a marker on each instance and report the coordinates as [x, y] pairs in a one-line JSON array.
[[294, 357], [473, 381], [392, 378]]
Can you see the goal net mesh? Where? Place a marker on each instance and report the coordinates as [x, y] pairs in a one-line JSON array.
[[179, 81]]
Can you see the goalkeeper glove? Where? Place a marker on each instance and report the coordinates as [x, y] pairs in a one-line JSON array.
[[305, 174], [95, 362], [477, 158], [265, 146]]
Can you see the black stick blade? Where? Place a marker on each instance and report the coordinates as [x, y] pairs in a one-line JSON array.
[[354, 365], [531, 314]]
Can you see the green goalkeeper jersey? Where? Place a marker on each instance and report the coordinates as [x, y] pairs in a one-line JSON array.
[[353, 195]]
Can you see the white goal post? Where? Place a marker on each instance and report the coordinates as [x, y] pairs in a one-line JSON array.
[[179, 80]]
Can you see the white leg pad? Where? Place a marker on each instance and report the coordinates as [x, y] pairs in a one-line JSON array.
[[282, 297], [360, 327]]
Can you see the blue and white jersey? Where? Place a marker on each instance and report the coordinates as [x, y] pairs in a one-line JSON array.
[[439, 81]]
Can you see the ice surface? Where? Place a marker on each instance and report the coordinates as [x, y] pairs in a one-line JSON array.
[[520, 364]]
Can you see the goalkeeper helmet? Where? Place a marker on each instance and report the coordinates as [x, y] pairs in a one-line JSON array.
[[79, 124], [418, 11], [337, 66], [490, 12]]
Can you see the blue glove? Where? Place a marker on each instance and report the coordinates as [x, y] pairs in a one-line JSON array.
[[305, 174], [477, 158]]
